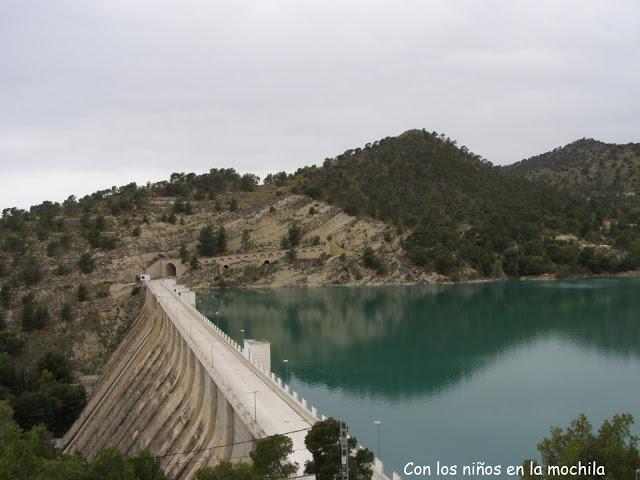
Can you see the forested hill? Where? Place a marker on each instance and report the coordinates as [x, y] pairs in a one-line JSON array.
[[421, 176], [587, 166], [461, 215]]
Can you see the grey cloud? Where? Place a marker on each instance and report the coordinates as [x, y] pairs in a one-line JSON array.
[[113, 89]]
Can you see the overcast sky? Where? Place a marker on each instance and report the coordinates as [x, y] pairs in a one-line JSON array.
[[105, 92]]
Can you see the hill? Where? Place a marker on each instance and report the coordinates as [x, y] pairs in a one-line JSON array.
[[465, 218], [587, 166]]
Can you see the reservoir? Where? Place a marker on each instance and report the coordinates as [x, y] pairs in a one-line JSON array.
[[456, 373]]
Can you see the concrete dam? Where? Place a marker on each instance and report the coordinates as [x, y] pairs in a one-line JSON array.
[[182, 388]]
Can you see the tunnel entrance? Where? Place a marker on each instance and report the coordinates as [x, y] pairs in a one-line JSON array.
[[170, 270], [267, 262]]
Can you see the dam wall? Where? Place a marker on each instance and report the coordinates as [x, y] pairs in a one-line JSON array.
[[156, 394]]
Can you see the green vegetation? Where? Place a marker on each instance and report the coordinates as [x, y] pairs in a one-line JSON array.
[[613, 447], [180, 206], [323, 441], [227, 471], [462, 212], [43, 397], [245, 241], [270, 458], [86, 263], [207, 246], [371, 260], [83, 293], [29, 455], [33, 317], [212, 243], [269, 462], [293, 236], [248, 182], [184, 253], [587, 166]]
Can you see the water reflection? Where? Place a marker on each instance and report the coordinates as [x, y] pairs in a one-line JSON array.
[[406, 341]]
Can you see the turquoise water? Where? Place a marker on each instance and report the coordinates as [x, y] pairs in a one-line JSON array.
[[456, 373]]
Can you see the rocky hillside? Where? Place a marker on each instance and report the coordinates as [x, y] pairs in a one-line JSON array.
[[68, 272], [587, 166]]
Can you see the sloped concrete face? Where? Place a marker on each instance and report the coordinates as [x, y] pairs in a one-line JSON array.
[[155, 394]]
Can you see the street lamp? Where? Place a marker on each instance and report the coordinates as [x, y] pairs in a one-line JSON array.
[[242, 332], [379, 424], [286, 364], [212, 355]]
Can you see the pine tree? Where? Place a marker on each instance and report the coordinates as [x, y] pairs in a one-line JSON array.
[[221, 240], [208, 242]]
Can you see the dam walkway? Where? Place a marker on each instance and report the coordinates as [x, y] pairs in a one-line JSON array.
[[251, 390]]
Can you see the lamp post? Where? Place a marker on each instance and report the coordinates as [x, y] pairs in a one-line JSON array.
[[379, 424], [242, 332], [286, 364], [211, 355], [217, 313]]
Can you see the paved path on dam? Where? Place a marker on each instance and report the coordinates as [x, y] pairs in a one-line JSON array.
[[275, 409], [273, 412]]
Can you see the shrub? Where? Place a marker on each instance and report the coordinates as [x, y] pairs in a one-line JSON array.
[[86, 263], [10, 342], [370, 260], [66, 314], [6, 294], [184, 253], [62, 270], [294, 234], [56, 363], [83, 293], [31, 271], [52, 248], [34, 317]]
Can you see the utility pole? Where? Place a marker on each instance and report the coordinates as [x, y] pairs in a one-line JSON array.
[[344, 451]]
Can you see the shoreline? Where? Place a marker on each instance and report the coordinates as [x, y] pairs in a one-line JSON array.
[[537, 278]]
